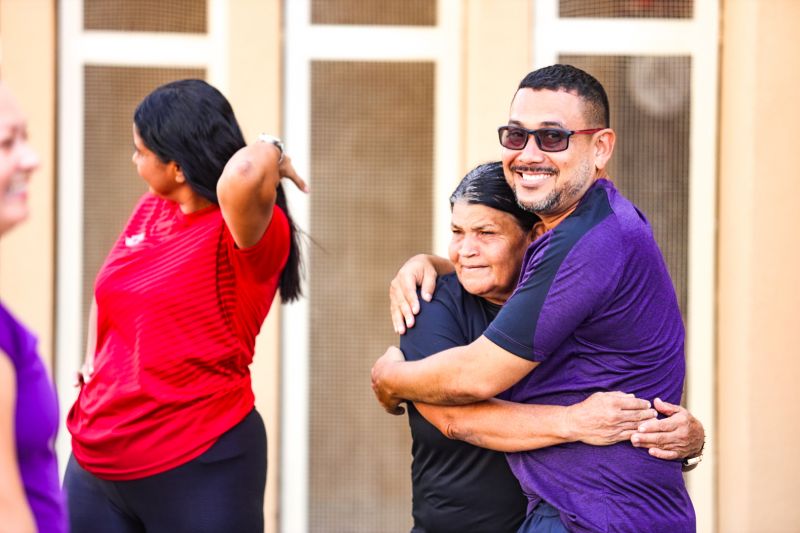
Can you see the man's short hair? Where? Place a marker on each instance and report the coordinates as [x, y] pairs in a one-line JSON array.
[[572, 79]]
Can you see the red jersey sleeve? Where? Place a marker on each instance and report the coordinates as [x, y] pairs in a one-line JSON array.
[[266, 258]]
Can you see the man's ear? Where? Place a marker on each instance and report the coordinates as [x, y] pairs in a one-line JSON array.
[[603, 148]]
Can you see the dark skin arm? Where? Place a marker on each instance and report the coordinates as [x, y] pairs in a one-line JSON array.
[[603, 418], [247, 190], [458, 376]]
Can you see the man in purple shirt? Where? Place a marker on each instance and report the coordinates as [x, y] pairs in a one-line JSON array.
[[594, 310]]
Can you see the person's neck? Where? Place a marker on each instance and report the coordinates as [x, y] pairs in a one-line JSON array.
[[551, 220], [193, 204]]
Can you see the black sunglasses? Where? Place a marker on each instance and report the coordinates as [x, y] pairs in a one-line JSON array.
[[547, 139]]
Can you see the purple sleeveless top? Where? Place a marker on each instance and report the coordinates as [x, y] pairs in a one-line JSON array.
[[36, 424]]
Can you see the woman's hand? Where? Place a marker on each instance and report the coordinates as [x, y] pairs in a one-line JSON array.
[[84, 375], [678, 436], [287, 170], [606, 418], [419, 271]]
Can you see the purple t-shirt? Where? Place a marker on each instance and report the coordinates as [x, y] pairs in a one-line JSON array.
[[36, 424], [595, 306]]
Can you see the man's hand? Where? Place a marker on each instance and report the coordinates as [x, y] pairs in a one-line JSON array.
[[678, 436], [380, 369], [403, 302], [606, 418]]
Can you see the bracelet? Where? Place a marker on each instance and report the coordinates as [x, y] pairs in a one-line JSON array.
[[267, 138]]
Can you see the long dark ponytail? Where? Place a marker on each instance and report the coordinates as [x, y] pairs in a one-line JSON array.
[[291, 277]]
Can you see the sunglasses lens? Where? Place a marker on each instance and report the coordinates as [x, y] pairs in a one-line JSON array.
[[548, 139], [513, 138], [552, 140]]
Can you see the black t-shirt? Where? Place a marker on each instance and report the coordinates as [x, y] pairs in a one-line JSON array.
[[457, 487]]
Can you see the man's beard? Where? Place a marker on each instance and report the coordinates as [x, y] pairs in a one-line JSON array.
[[544, 206], [552, 203]]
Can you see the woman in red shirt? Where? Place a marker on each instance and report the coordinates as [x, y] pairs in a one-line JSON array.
[[165, 436]]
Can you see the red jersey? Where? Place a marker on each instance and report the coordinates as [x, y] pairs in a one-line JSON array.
[[178, 310]]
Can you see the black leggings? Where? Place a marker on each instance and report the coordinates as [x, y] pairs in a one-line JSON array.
[[220, 491]]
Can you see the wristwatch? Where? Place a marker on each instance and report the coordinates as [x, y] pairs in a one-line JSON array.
[[690, 462], [267, 138]]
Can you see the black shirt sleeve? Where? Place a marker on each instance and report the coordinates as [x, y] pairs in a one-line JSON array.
[[437, 327]]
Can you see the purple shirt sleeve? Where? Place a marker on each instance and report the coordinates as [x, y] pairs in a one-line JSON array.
[[567, 276]]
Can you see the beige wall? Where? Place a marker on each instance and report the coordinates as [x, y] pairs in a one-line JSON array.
[[759, 253], [498, 54], [27, 65], [255, 93], [759, 262]]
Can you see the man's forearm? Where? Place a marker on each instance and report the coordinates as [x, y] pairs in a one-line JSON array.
[[443, 379], [461, 375], [500, 425], [601, 419], [441, 265]]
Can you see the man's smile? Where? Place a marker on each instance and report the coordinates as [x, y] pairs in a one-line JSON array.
[[534, 175]]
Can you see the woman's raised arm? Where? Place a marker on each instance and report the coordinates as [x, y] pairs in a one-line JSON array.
[[248, 187]]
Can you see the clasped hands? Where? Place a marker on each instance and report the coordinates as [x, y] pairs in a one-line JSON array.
[[602, 418]]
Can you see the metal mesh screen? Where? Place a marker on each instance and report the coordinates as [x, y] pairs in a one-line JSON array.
[[649, 99], [372, 164], [180, 16], [111, 185], [370, 12], [626, 8]]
